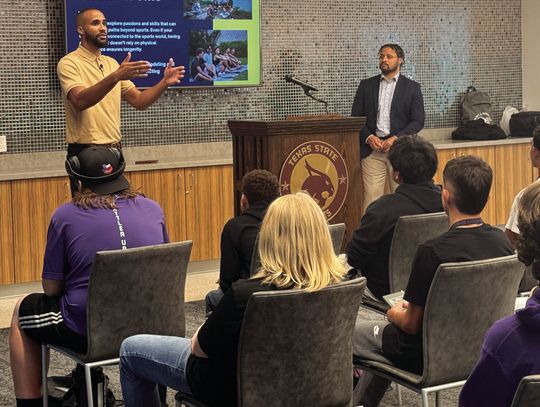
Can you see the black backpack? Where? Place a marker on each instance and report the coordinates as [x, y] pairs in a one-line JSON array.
[[474, 105], [478, 130], [76, 393]]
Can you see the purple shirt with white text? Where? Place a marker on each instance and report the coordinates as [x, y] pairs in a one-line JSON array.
[[76, 234]]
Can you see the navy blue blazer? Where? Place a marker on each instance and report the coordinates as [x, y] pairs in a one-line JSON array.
[[406, 112]]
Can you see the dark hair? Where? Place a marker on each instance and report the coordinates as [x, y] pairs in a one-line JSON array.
[[414, 158], [84, 11], [260, 185], [198, 51], [536, 137], [528, 240], [470, 178], [397, 49]]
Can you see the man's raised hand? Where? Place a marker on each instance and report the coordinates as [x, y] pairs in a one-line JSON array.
[[130, 70], [172, 74]]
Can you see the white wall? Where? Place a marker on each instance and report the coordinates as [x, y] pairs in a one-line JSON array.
[[530, 51]]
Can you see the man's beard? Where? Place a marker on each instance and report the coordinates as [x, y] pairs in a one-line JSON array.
[[388, 70], [95, 41]]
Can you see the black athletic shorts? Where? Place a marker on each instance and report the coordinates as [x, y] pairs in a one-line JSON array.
[[41, 321]]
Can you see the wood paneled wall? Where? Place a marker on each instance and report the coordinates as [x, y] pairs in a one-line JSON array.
[[512, 171]]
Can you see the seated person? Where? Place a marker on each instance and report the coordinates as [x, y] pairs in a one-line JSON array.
[[78, 229], [511, 228], [198, 67], [234, 63], [466, 184], [259, 189], [234, 58], [228, 6], [218, 65], [196, 7], [209, 62], [213, 9], [511, 348], [205, 366], [220, 61], [414, 162]]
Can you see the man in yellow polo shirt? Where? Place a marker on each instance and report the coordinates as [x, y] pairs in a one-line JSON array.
[[94, 84]]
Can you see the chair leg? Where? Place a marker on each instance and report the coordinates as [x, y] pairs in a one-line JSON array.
[[438, 399], [399, 396], [44, 389], [425, 400], [88, 379], [100, 390], [355, 399]]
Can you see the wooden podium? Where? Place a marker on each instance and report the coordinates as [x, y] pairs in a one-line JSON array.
[[319, 154]]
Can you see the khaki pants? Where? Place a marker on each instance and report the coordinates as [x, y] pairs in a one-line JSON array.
[[377, 177]]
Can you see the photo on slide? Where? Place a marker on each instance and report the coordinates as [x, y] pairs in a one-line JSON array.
[[217, 56], [217, 9]]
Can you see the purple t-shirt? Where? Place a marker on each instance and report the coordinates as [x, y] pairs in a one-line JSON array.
[[76, 234]]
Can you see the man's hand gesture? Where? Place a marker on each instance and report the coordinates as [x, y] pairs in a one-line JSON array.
[[172, 74], [130, 70]]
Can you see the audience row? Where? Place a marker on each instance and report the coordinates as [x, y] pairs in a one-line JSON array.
[[295, 251]]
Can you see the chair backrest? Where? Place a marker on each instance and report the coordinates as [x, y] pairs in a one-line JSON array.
[[528, 281], [337, 232], [464, 300], [255, 259], [528, 392], [135, 291], [410, 231], [295, 347]]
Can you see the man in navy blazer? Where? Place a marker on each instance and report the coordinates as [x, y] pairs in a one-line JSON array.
[[393, 106]]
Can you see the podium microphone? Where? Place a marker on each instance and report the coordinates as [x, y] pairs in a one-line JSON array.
[[307, 89], [306, 86]]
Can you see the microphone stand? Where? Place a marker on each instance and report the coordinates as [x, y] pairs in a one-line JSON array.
[[308, 93]]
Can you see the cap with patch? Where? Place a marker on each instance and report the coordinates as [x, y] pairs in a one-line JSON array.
[[101, 170]]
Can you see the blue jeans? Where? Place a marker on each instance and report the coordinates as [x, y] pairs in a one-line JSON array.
[[145, 361]]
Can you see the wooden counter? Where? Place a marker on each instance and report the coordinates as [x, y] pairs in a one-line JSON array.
[[194, 185]]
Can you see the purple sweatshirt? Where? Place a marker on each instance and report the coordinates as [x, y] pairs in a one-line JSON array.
[[511, 350]]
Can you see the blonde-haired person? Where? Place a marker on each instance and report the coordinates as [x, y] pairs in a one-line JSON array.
[[296, 253], [295, 246]]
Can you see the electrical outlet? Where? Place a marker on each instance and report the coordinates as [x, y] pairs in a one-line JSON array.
[[3, 144]]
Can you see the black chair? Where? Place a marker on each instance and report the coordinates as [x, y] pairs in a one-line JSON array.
[[295, 348], [464, 300], [132, 291], [528, 392], [337, 232], [410, 231]]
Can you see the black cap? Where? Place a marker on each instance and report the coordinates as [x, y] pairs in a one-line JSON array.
[[101, 169]]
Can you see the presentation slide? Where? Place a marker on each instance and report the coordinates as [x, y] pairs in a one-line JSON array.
[[218, 41]]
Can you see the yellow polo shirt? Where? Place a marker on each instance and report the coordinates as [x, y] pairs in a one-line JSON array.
[[99, 124]]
